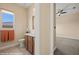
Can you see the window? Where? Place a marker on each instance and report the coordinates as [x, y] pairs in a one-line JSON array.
[[7, 19]]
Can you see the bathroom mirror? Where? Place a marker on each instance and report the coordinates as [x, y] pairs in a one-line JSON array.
[[33, 22]]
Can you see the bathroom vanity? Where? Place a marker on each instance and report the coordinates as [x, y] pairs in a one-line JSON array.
[[7, 35], [29, 43]]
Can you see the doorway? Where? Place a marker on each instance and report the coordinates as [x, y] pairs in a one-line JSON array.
[[67, 32]]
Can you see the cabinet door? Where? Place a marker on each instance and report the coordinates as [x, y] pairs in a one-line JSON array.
[[26, 42], [30, 43], [33, 45], [4, 35], [11, 35]]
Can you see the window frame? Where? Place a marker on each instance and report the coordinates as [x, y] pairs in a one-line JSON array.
[[1, 19]]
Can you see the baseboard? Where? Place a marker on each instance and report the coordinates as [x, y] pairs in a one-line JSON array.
[[54, 49], [52, 52], [68, 36]]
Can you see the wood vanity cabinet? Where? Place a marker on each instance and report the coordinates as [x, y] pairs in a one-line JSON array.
[[7, 35], [29, 43], [26, 42]]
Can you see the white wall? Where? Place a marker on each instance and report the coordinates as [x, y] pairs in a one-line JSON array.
[[68, 25]]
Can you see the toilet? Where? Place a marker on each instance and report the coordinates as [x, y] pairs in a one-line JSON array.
[[21, 42]]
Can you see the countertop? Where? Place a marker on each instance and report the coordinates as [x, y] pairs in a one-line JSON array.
[[30, 34]]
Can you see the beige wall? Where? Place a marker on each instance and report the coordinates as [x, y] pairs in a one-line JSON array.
[[68, 25], [30, 14], [45, 28], [20, 19]]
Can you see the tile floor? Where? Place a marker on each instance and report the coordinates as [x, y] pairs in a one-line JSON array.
[[14, 51]]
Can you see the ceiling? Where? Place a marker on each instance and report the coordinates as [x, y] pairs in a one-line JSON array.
[[68, 7], [26, 5]]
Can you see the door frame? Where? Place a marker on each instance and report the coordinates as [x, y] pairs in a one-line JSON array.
[[52, 29]]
